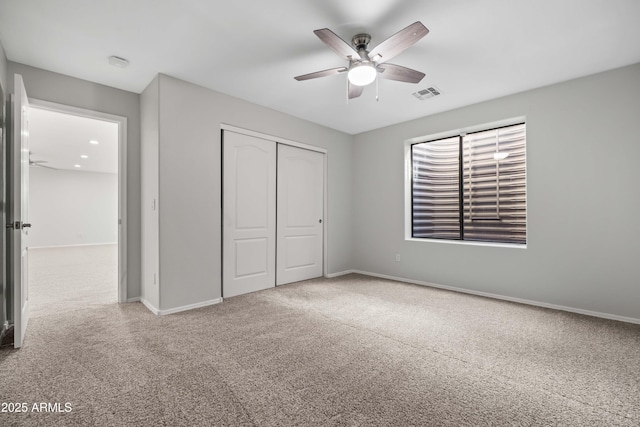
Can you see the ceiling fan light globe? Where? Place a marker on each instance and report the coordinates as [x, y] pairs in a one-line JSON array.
[[361, 74]]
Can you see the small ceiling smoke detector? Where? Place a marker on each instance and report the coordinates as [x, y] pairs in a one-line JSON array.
[[429, 92], [116, 61]]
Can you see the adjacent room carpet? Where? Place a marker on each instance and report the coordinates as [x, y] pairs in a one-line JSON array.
[[354, 351], [68, 278]]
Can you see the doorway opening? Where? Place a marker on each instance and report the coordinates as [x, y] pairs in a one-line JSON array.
[[77, 243]]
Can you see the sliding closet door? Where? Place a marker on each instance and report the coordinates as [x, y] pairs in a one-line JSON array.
[[300, 214], [249, 214]]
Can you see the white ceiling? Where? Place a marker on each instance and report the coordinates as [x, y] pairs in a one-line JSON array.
[[252, 49], [61, 139]]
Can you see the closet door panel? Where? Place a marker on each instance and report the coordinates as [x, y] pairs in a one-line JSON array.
[[300, 214], [249, 220]]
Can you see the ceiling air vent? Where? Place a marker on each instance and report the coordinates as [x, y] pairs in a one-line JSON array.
[[429, 92]]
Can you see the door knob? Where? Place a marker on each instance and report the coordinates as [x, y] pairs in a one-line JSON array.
[[18, 225]]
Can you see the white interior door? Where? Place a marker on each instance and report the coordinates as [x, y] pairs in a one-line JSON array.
[[18, 211], [249, 220], [300, 214]]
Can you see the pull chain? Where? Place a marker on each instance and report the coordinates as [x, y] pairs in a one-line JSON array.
[[347, 79]]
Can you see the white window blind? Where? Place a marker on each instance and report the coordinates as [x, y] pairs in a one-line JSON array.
[[495, 185], [471, 187], [436, 189]]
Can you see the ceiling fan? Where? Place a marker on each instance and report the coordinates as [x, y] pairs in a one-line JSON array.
[[365, 65], [39, 163]]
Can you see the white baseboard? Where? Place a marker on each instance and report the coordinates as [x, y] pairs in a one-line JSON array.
[[505, 298], [150, 306], [73, 246], [134, 299], [340, 273], [159, 312]]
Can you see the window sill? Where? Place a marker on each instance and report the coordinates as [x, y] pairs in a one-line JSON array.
[[468, 243]]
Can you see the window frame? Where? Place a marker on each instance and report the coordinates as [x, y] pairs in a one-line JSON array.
[[408, 184]]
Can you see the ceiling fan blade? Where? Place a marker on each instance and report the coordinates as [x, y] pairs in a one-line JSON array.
[[39, 164], [323, 73], [398, 42], [355, 91], [46, 167], [339, 46], [399, 73]]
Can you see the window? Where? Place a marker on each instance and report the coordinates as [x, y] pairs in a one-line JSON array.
[[471, 187]]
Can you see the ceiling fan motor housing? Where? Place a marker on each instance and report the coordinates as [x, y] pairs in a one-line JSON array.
[[361, 41]]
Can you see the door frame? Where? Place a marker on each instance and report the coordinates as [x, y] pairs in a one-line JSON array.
[[325, 180], [122, 179], [4, 286]]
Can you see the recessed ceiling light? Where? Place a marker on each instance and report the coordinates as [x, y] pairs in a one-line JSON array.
[[77, 166], [84, 156], [94, 142], [116, 61]]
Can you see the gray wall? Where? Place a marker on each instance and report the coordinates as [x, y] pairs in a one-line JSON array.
[[3, 68], [583, 146], [190, 185], [150, 128], [54, 87], [583, 143]]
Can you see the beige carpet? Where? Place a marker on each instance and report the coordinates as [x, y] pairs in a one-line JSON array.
[[72, 278], [351, 351]]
